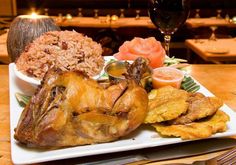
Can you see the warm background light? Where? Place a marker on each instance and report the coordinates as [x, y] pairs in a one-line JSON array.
[[34, 15]]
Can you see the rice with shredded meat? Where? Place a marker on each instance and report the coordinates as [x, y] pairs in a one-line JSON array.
[[67, 50]]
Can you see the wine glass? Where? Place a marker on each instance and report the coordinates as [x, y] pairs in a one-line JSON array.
[[213, 35], [122, 15], [80, 12], [168, 16], [218, 13], [197, 15], [95, 13], [46, 11], [213, 28], [137, 14]]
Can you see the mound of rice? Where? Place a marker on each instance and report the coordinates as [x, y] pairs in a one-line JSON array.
[[67, 50]]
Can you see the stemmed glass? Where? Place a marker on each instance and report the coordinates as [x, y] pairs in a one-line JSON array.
[[46, 11], [213, 28], [218, 13], [122, 15], [95, 13], [80, 12], [168, 16], [197, 15], [137, 14], [213, 36]]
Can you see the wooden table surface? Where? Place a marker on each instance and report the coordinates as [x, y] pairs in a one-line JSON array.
[[143, 21], [219, 79], [3, 49], [105, 22], [100, 22], [225, 49], [132, 22], [207, 22]]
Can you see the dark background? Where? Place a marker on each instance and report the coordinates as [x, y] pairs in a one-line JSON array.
[[207, 7], [118, 36]]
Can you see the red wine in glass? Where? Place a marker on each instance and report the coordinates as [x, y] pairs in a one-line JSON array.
[[168, 16]]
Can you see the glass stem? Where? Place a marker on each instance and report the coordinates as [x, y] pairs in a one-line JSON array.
[[167, 39]]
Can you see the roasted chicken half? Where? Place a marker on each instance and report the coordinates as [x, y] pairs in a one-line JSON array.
[[71, 109]]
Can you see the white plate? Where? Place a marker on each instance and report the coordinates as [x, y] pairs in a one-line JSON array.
[[36, 82], [141, 138]]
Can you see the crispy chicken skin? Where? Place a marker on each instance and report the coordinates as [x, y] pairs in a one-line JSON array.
[[70, 109]]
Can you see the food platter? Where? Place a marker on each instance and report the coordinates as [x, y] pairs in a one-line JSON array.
[[144, 137]]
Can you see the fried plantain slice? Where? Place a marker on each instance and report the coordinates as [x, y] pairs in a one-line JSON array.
[[165, 94], [166, 103], [167, 111], [195, 130], [217, 121], [199, 107], [185, 132]]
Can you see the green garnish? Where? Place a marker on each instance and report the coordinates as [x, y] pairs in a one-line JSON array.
[[103, 76], [189, 85], [173, 61], [111, 60], [22, 99]]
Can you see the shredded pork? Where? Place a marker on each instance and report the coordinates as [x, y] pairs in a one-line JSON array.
[[67, 50]]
